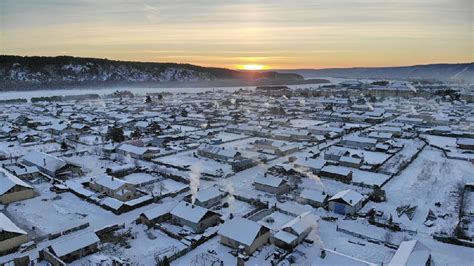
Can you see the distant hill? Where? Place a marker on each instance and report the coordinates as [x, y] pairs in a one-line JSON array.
[[442, 72], [19, 73]]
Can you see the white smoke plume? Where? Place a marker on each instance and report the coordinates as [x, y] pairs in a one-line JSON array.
[[311, 220], [194, 179], [371, 107], [308, 173], [229, 188]]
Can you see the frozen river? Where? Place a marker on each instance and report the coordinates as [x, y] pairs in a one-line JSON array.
[[137, 90]]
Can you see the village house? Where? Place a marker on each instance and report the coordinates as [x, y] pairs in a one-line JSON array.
[[50, 165], [13, 189], [136, 152], [346, 202], [23, 172], [158, 214], [294, 232], [336, 172], [219, 153], [411, 253], [358, 142], [73, 248], [324, 130], [245, 233], [351, 161], [11, 236], [465, 143], [208, 197], [313, 197], [313, 165], [194, 217], [277, 147], [271, 184], [113, 187]]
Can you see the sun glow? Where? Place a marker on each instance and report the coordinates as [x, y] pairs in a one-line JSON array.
[[251, 67]]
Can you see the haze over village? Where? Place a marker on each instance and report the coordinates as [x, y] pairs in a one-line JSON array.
[[261, 145]]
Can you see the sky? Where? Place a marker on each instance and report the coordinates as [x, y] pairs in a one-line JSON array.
[[274, 34]]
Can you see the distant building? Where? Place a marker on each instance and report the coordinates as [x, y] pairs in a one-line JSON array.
[[219, 153], [136, 152]]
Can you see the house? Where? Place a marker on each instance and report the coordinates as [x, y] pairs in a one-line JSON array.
[[350, 161], [465, 143], [245, 233], [114, 187], [271, 184], [136, 152], [358, 141], [158, 214], [313, 197], [326, 130], [11, 236], [74, 248], [346, 202], [219, 153], [23, 172], [50, 165], [294, 232], [314, 165], [208, 197], [380, 135], [13, 189], [411, 253], [195, 217], [336, 172]]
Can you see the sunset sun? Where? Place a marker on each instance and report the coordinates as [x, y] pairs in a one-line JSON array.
[[252, 67]]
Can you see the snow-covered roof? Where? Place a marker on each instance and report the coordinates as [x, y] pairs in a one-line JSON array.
[[311, 163], [43, 160], [348, 196], [313, 195], [301, 223], [159, 210], [269, 180], [208, 193], [285, 237], [359, 139], [71, 244], [241, 230], [133, 149], [6, 225], [465, 141], [410, 253], [109, 182], [7, 181], [189, 212]]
